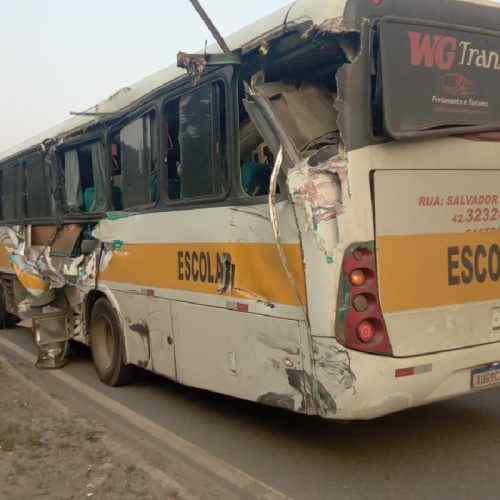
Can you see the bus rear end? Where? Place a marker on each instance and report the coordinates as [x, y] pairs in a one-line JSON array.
[[419, 299], [438, 257], [419, 306]]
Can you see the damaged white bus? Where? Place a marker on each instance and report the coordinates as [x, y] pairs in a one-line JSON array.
[[311, 221]]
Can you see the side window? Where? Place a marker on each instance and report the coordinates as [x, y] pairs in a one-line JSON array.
[[9, 192], [84, 177], [37, 187], [134, 175], [196, 143], [256, 161], [256, 158]]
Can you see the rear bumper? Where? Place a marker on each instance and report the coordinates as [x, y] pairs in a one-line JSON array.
[[382, 385]]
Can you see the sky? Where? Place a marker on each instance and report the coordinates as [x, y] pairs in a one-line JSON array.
[[58, 56]]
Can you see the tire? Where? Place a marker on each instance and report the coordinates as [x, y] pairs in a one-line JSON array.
[[7, 320], [106, 344]]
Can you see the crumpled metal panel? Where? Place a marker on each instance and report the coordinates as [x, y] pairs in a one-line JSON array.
[[317, 188]]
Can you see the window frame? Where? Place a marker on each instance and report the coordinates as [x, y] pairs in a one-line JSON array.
[[155, 156], [76, 143], [226, 77], [48, 188], [19, 193], [243, 197]]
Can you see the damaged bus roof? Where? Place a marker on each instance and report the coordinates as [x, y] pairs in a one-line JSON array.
[[246, 39]]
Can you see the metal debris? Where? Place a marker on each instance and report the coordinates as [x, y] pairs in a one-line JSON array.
[[194, 64], [316, 186], [276, 229]]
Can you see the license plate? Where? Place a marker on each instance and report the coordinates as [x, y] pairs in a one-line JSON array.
[[485, 376]]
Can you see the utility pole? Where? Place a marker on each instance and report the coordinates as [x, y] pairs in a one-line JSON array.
[[211, 26]]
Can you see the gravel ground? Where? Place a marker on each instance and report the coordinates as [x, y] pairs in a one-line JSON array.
[[46, 451]]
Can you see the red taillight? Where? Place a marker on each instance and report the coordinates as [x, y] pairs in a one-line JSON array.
[[361, 302], [376, 2], [357, 278], [360, 322], [366, 331]]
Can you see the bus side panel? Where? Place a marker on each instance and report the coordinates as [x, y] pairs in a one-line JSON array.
[[149, 339], [244, 355]]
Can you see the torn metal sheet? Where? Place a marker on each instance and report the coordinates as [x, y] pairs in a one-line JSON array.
[[73, 268], [334, 375], [332, 26], [306, 113], [347, 37], [52, 296], [261, 112], [95, 263], [352, 100], [315, 393], [194, 64], [280, 359], [37, 270], [51, 328], [276, 228], [260, 109], [316, 185], [304, 389], [32, 267]]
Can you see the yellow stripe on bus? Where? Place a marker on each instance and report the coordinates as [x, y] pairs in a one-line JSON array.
[[432, 270], [30, 281], [4, 257], [195, 267]]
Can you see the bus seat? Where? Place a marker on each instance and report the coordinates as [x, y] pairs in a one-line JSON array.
[[255, 178], [174, 188], [89, 199]]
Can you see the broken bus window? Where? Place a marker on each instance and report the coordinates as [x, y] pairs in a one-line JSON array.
[[196, 143], [134, 175], [83, 168], [10, 193], [37, 188]]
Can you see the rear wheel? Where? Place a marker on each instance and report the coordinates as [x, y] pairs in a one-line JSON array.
[[106, 343], [7, 320]]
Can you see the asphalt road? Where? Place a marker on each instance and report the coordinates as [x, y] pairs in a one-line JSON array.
[[449, 450]]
